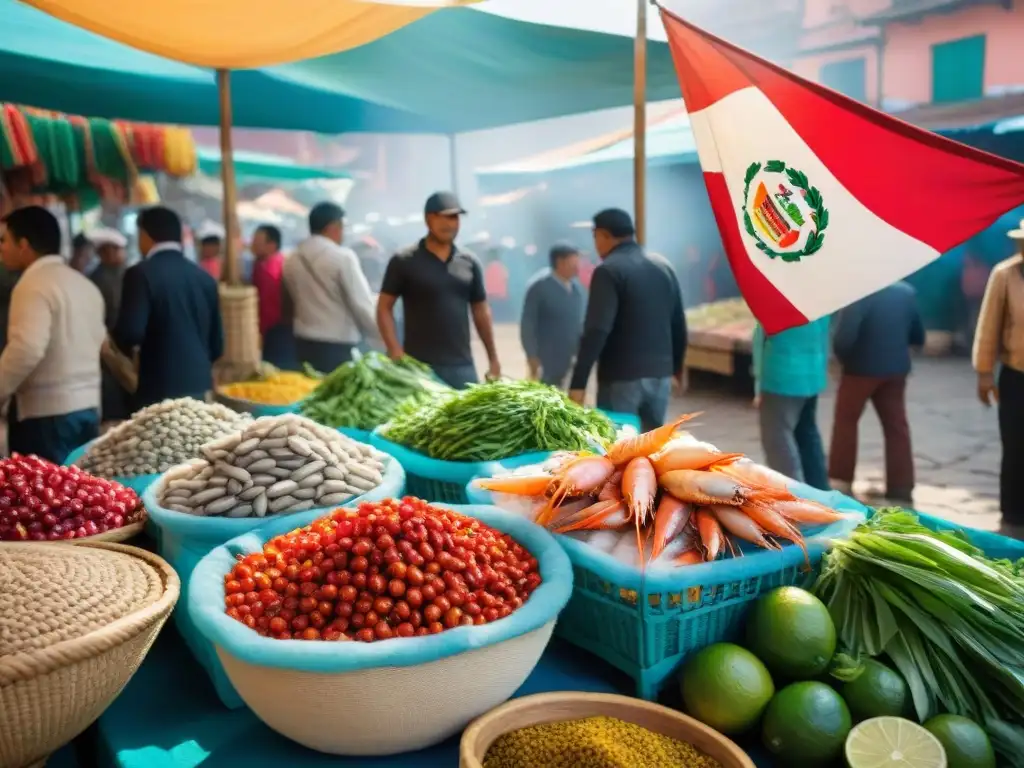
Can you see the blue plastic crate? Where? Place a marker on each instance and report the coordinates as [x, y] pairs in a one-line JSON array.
[[622, 420], [139, 484], [647, 623], [444, 481], [185, 539]]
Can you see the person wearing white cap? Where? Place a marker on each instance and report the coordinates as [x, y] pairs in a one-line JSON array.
[[211, 239], [109, 273], [999, 340]]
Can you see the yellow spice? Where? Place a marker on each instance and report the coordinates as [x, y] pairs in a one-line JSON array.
[[282, 388], [594, 742]]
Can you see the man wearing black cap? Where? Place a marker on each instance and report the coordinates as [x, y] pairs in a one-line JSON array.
[[553, 317], [440, 285], [635, 328]]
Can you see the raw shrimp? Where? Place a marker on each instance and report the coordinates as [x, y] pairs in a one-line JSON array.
[[689, 557], [808, 512], [738, 524], [578, 477], [647, 443], [752, 473], [516, 485], [687, 454], [774, 523], [639, 489], [697, 487], [669, 520], [710, 533], [604, 515], [613, 488]]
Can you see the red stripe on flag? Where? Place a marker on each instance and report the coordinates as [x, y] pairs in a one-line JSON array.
[[769, 306], [936, 190]]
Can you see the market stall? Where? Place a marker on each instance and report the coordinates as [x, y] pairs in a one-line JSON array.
[[719, 336]]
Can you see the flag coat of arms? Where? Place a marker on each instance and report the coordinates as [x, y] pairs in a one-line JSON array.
[[821, 200]]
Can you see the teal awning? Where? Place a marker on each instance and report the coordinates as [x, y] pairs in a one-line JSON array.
[[668, 143], [456, 70], [254, 167]]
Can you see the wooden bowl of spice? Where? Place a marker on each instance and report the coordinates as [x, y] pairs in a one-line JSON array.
[[573, 728]]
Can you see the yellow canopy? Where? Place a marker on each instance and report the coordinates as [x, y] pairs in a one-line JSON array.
[[242, 34]]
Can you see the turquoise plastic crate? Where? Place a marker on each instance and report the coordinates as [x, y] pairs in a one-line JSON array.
[[257, 410], [647, 623], [185, 539], [362, 435], [444, 481], [139, 484], [621, 420]]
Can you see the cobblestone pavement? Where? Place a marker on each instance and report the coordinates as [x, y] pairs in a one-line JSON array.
[[955, 438]]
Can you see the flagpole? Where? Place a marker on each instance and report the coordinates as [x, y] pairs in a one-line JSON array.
[[640, 121]]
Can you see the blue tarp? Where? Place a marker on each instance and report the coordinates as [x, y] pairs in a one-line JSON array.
[[251, 167], [456, 70]]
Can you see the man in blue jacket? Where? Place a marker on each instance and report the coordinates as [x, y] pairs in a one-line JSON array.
[[170, 311], [872, 342], [553, 317]]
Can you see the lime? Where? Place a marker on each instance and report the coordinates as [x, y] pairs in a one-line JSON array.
[[893, 742], [806, 724], [878, 691], [791, 631], [966, 743], [726, 687]]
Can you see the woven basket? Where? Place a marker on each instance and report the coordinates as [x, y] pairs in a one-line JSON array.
[[239, 309], [75, 624], [572, 705]]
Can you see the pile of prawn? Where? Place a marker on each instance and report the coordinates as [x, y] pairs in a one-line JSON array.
[[687, 500]]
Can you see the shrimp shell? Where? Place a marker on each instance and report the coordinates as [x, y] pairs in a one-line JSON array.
[[752, 473], [579, 477], [604, 515], [639, 488], [773, 522], [612, 489], [670, 519], [686, 454], [630, 448], [516, 485], [710, 531], [739, 524], [807, 512]]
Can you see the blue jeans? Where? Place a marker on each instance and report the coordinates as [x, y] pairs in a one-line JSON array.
[[791, 440], [645, 398], [457, 376], [51, 437], [322, 356]]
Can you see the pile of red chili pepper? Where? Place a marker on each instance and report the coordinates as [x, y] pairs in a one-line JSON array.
[[394, 568]]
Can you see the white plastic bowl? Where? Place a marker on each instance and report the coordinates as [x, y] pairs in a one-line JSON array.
[[390, 696]]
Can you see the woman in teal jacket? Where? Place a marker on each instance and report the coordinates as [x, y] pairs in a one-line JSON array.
[[790, 371]]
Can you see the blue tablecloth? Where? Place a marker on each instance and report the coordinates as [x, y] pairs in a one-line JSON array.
[[169, 717]]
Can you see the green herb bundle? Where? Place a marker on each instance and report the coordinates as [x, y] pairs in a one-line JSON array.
[[950, 619], [498, 420], [365, 393]]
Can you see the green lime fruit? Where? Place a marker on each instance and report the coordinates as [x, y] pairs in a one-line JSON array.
[[877, 692], [965, 742], [791, 631], [806, 724], [891, 742], [727, 687]]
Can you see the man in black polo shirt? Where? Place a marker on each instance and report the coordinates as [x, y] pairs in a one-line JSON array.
[[635, 328], [439, 286]]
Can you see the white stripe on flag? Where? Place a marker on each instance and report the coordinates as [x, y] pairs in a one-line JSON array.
[[861, 252]]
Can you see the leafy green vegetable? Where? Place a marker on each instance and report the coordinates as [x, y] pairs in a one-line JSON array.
[[365, 393], [950, 619], [498, 420]]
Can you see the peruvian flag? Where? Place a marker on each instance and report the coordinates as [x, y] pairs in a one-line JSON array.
[[821, 200]]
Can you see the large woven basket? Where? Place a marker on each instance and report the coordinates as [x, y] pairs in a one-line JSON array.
[[239, 309], [75, 624]]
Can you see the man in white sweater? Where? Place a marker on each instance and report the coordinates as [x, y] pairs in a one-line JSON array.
[[51, 364], [326, 293]]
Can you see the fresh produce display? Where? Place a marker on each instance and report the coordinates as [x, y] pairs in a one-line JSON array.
[[390, 569], [791, 630], [964, 741], [497, 420], [670, 495], [158, 437], [806, 723], [895, 741], [949, 619], [278, 388], [593, 742], [727, 687], [365, 393], [717, 313], [40, 501], [275, 465]]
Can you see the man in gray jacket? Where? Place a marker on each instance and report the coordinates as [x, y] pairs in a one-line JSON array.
[[552, 318], [326, 293]]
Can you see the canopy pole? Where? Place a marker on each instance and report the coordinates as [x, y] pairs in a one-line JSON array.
[[232, 256], [453, 160], [640, 122]]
